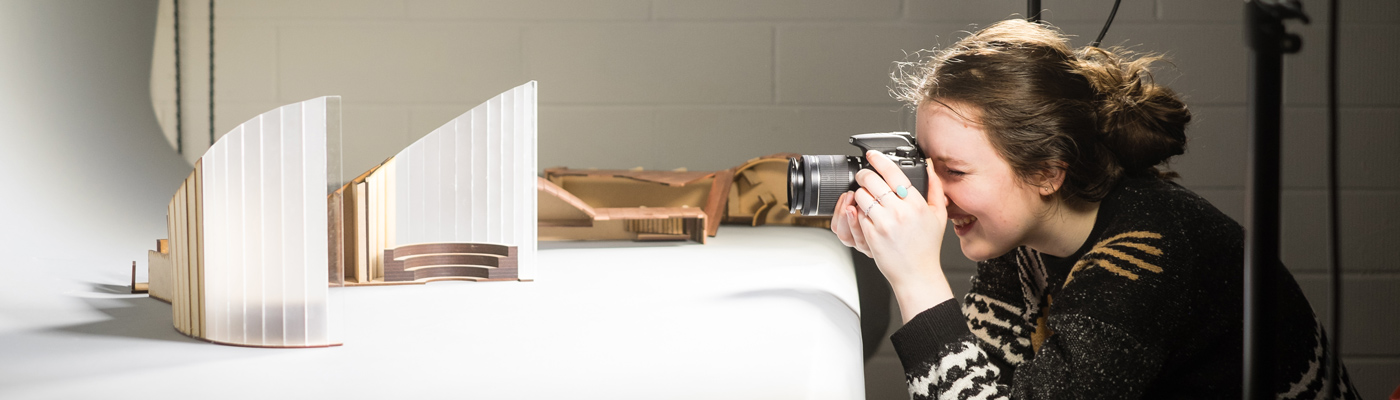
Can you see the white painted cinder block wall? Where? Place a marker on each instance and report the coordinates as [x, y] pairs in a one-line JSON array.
[[707, 84]]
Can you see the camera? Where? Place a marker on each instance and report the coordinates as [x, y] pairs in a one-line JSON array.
[[815, 182]]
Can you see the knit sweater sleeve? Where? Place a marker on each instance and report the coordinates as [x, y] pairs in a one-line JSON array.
[[998, 311]]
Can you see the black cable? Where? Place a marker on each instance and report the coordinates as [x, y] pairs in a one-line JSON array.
[[1103, 32], [211, 73], [179, 119], [1334, 364]]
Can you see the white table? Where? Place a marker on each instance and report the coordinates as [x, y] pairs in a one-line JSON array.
[[763, 313]]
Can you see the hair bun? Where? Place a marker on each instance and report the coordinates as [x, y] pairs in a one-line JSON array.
[[1142, 123], [1094, 114]]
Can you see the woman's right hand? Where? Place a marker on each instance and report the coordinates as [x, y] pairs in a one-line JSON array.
[[904, 235]]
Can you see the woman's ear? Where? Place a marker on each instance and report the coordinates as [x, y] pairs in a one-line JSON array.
[[1051, 178]]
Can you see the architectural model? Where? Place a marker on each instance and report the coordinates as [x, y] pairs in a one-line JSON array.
[[457, 204], [265, 224], [255, 238]]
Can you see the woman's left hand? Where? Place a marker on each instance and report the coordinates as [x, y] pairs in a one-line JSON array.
[[903, 234]]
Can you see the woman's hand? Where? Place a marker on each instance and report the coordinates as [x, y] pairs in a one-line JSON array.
[[903, 235], [845, 227]]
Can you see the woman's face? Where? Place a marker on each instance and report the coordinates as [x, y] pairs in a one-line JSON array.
[[992, 210]]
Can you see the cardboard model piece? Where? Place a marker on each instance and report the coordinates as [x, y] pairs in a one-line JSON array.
[[760, 197], [665, 205], [158, 269], [631, 204], [566, 217]]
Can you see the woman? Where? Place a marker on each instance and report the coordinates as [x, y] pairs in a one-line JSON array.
[[1097, 276]]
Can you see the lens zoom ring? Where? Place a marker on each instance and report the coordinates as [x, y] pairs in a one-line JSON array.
[[834, 181]]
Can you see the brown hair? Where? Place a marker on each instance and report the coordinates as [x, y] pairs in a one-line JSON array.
[[1094, 113]]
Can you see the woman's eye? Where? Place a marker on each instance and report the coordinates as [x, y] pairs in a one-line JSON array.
[[949, 172]]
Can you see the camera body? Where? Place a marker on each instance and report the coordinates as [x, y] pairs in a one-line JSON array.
[[815, 182]]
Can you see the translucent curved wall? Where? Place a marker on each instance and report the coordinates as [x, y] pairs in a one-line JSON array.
[[263, 210], [473, 179]]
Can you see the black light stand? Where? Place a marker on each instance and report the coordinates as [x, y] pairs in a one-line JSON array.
[[1268, 42], [1033, 10]]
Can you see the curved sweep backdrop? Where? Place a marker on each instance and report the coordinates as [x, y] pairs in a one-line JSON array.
[[84, 171]]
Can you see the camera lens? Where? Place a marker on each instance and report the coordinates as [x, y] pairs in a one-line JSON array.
[[816, 182]]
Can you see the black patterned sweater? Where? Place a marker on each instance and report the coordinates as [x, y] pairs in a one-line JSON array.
[[1150, 307]]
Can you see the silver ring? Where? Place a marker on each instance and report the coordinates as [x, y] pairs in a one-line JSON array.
[[872, 206], [877, 199]]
